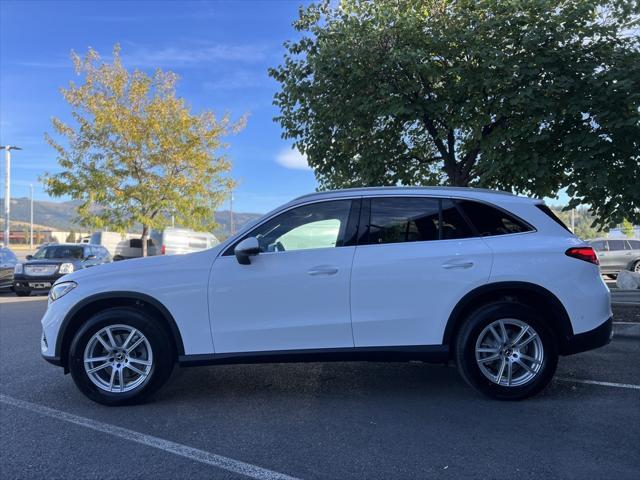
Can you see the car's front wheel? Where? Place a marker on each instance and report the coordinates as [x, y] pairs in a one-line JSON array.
[[506, 351], [120, 356]]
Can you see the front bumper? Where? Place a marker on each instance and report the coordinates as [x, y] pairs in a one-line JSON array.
[[598, 337], [24, 282]]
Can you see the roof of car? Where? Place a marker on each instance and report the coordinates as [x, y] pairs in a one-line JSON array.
[[67, 244], [467, 192]]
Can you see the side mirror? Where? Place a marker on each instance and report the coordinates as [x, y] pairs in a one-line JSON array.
[[245, 249], [29, 257]]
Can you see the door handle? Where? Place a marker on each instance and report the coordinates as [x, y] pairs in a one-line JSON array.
[[324, 270], [457, 265]]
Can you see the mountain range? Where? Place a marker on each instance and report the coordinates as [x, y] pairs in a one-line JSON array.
[[61, 215]]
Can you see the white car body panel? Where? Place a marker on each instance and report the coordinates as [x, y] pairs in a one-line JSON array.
[[179, 283], [402, 293], [279, 302]]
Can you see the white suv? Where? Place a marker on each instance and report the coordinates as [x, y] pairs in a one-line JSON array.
[[489, 280]]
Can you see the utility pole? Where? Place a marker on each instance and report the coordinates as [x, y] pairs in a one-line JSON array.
[[7, 189], [232, 227], [573, 220], [31, 217]]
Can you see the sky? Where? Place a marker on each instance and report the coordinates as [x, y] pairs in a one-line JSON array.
[[221, 51]]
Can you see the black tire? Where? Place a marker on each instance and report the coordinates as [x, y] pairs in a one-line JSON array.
[[22, 293], [161, 345], [465, 350], [636, 267]]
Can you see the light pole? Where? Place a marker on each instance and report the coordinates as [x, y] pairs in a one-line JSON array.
[[7, 189], [31, 217], [232, 227]]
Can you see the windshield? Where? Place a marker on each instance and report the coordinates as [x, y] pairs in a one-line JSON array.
[[59, 251], [7, 256]]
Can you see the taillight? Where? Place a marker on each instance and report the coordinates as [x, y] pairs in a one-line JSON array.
[[162, 250], [583, 253]]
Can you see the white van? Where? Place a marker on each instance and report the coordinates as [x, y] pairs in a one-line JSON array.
[[173, 241]]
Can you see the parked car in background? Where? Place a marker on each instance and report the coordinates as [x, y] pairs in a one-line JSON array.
[[120, 246], [488, 280], [176, 241], [53, 261], [617, 254], [8, 262]]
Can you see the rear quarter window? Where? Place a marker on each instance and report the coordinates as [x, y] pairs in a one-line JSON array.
[[547, 211], [490, 221]]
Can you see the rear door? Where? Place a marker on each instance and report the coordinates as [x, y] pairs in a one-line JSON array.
[[416, 257], [615, 258]]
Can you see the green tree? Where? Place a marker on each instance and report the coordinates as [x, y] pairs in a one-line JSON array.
[[627, 227], [530, 96], [136, 151], [71, 237]]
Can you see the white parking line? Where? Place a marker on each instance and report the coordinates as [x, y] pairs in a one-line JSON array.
[[194, 454], [596, 382]]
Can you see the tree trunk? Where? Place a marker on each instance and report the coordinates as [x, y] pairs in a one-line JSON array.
[[145, 236]]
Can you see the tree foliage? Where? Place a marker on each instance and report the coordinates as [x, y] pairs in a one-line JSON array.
[[627, 228], [583, 222], [136, 152], [531, 96]]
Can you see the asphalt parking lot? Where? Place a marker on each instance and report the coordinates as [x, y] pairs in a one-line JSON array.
[[320, 420]]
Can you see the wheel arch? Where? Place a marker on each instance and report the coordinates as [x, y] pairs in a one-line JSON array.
[[555, 315], [101, 301]]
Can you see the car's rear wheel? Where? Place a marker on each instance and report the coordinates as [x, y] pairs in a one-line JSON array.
[[506, 351], [120, 356], [636, 267]]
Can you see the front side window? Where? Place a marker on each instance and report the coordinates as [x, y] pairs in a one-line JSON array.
[[635, 244], [317, 225], [403, 219], [490, 221]]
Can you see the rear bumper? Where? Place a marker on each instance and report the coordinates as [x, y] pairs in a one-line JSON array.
[[598, 337]]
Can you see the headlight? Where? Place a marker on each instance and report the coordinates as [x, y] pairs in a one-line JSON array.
[[60, 290], [66, 268], [17, 268]]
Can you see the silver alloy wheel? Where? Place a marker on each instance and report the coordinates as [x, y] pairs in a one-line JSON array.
[[509, 352], [636, 268], [118, 358]]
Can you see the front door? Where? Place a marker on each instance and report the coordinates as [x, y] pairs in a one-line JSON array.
[[295, 293]]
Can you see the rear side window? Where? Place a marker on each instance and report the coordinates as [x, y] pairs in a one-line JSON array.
[[616, 245], [552, 216], [490, 221], [453, 224], [403, 219], [598, 246]]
